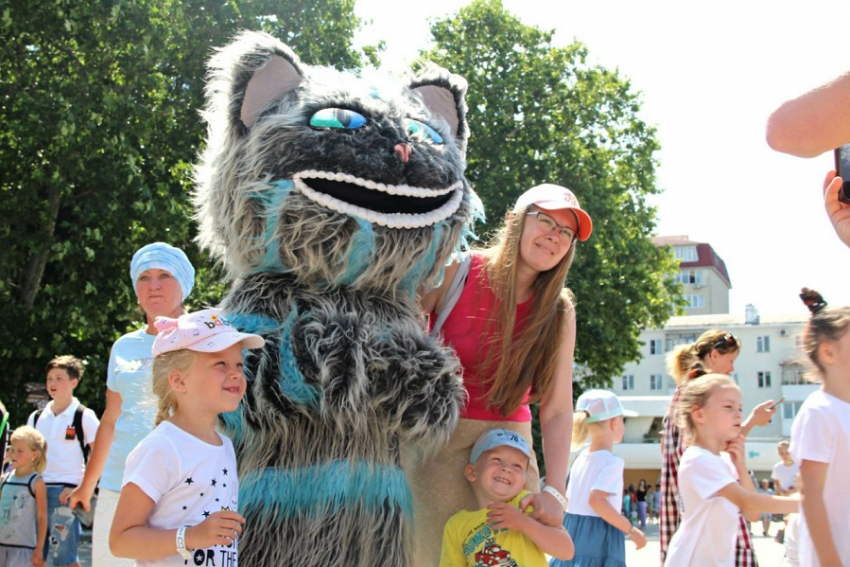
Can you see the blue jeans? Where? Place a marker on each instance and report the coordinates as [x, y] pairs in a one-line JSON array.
[[63, 530]]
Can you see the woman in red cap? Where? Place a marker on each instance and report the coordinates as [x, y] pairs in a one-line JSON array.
[[513, 329]]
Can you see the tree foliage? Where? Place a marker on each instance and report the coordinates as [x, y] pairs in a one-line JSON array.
[[99, 127], [540, 113]]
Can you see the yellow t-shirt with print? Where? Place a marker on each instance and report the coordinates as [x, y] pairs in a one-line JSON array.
[[469, 541]]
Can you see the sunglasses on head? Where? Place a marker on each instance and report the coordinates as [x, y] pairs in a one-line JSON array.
[[726, 341]]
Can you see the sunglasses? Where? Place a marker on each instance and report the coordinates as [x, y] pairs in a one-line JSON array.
[[726, 341]]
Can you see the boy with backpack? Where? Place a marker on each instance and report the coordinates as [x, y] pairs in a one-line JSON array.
[[70, 429]]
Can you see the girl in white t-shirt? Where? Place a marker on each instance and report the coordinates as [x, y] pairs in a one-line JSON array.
[[179, 496], [714, 484], [820, 438], [595, 486]]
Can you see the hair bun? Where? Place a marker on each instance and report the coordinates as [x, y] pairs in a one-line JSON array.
[[696, 370], [812, 299]]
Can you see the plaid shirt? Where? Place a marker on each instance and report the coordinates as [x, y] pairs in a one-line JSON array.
[[668, 510]]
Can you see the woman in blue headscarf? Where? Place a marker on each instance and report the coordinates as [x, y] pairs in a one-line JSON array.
[[162, 278]]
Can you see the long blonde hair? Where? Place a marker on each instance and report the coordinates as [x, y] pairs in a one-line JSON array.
[[530, 359], [681, 358], [166, 401], [35, 442], [695, 394]]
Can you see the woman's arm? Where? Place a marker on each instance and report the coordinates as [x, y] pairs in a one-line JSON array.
[[812, 123], [100, 451], [813, 478], [41, 520], [131, 537], [760, 416], [599, 502], [556, 425]]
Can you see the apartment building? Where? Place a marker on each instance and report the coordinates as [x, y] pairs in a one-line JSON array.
[[769, 366]]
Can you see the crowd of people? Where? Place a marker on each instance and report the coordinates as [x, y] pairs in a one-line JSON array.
[[163, 481]]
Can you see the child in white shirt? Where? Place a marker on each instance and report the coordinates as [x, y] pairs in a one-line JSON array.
[[820, 438], [593, 517], [714, 484], [179, 498]]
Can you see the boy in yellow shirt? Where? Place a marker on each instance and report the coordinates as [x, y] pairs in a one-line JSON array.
[[499, 533]]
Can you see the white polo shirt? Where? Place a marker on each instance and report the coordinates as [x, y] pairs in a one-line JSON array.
[[65, 463]]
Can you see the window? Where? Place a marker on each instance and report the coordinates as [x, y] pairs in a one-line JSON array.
[[764, 379], [793, 376], [690, 277], [695, 301], [790, 409], [655, 346], [655, 381], [628, 382], [685, 253], [763, 344]]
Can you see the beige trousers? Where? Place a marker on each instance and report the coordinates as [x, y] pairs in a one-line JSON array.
[[440, 488], [107, 501]]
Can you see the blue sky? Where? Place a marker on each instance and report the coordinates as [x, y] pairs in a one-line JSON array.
[[709, 74]]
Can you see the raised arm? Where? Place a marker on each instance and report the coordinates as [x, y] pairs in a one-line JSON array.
[[813, 123]]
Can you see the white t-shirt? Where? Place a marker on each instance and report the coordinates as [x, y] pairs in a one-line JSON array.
[[786, 474], [706, 536], [821, 433], [599, 470], [65, 462], [189, 480]]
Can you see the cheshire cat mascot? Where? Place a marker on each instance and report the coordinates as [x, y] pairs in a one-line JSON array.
[[331, 198]]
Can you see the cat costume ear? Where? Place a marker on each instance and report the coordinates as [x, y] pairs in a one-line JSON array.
[[444, 94], [257, 69]]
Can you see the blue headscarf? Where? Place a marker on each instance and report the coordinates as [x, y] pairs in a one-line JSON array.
[[162, 256]]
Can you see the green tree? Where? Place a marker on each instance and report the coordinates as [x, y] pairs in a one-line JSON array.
[[540, 113], [99, 127]]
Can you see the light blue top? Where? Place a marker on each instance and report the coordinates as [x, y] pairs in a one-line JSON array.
[[18, 512], [129, 374]]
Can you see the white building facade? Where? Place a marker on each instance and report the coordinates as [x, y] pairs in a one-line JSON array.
[[769, 367]]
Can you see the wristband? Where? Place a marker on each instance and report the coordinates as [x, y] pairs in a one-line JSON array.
[[558, 496], [181, 543]]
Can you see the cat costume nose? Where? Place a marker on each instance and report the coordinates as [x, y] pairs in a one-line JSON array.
[[403, 152]]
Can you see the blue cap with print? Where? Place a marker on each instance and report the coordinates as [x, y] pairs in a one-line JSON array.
[[497, 438], [162, 256]]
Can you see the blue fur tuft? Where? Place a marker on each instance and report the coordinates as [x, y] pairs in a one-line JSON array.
[[271, 201], [322, 490], [361, 251], [291, 380]]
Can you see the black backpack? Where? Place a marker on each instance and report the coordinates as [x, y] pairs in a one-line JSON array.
[[78, 429]]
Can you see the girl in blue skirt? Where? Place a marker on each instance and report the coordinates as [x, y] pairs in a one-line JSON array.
[[595, 486]]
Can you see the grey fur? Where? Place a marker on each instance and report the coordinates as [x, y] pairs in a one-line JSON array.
[[348, 375]]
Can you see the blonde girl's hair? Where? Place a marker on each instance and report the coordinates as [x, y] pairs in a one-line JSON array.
[[528, 360], [581, 429], [696, 393], [681, 358], [827, 324], [166, 401], [36, 442]]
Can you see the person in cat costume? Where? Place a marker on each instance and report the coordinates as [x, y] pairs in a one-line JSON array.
[[332, 198]]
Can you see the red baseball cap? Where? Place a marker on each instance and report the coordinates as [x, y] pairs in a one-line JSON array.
[[553, 198]]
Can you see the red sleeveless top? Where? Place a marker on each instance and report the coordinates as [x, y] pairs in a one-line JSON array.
[[464, 331]]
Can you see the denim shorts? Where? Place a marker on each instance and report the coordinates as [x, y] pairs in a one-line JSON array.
[[63, 530]]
